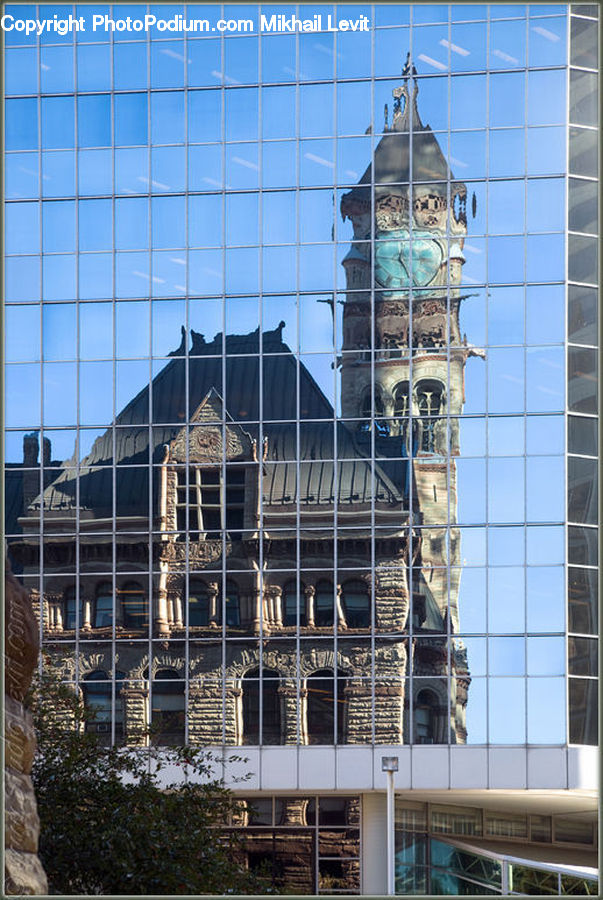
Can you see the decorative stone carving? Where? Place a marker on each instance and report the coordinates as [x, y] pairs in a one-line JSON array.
[[135, 711], [21, 637], [198, 551], [23, 872], [391, 212], [20, 737]]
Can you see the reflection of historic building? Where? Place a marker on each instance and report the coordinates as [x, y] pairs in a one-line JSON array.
[[236, 559], [187, 521], [306, 843], [413, 385]]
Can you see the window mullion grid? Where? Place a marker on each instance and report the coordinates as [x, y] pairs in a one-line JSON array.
[[77, 535], [41, 565], [451, 514], [487, 384], [526, 692], [298, 561], [150, 577], [566, 352], [371, 386], [260, 365], [222, 599], [187, 576], [336, 713], [410, 680], [117, 610]]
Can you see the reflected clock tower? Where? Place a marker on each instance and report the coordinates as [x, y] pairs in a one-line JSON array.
[[402, 367]]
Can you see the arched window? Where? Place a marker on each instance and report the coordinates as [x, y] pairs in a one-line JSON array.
[[402, 411], [425, 717], [134, 605], [368, 408], [69, 617], [98, 698], [356, 604], [401, 399], [292, 602], [325, 708], [103, 607], [324, 604], [198, 604], [261, 726], [430, 405], [167, 708], [232, 604]]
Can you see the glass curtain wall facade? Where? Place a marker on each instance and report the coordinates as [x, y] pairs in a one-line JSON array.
[[301, 397]]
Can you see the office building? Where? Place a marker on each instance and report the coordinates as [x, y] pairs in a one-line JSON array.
[[301, 422]]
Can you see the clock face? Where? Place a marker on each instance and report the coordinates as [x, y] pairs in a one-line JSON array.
[[400, 261]]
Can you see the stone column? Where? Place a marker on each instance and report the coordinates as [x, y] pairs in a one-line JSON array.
[[274, 592], [87, 613], [207, 714], [213, 592], [162, 613], [391, 600], [290, 703], [178, 611], [23, 872], [233, 713], [389, 712], [268, 606], [256, 597], [135, 700], [278, 604], [204, 712], [340, 614], [310, 593], [359, 708], [55, 610], [162, 621], [39, 605], [169, 601]]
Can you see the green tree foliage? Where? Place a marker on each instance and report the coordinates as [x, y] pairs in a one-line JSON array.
[[110, 824]]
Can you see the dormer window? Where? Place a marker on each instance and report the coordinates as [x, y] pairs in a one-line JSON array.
[[211, 509]]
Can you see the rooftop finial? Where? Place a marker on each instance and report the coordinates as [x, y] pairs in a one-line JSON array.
[[386, 117], [181, 350], [401, 114], [408, 68]]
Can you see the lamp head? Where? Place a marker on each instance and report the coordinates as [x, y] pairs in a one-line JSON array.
[[389, 763]]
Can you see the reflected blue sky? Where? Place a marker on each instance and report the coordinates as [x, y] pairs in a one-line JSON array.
[[166, 219]]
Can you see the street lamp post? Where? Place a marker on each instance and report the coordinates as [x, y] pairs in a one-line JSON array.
[[389, 764]]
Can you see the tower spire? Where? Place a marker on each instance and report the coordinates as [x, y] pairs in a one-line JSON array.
[[408, 114]]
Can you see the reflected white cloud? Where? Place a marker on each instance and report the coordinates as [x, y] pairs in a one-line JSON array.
[[432, 62], [172, 53], [455, 48], [245, 162], [506, 57], [545, 33], [320, 160]]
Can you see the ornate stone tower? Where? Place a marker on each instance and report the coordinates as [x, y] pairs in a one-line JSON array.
[[403, 302]]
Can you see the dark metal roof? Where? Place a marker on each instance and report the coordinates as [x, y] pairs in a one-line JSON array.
[[133, 444], [13, 498], [392, 163]]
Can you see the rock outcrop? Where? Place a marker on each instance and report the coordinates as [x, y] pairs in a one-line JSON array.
[[22, 869]]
